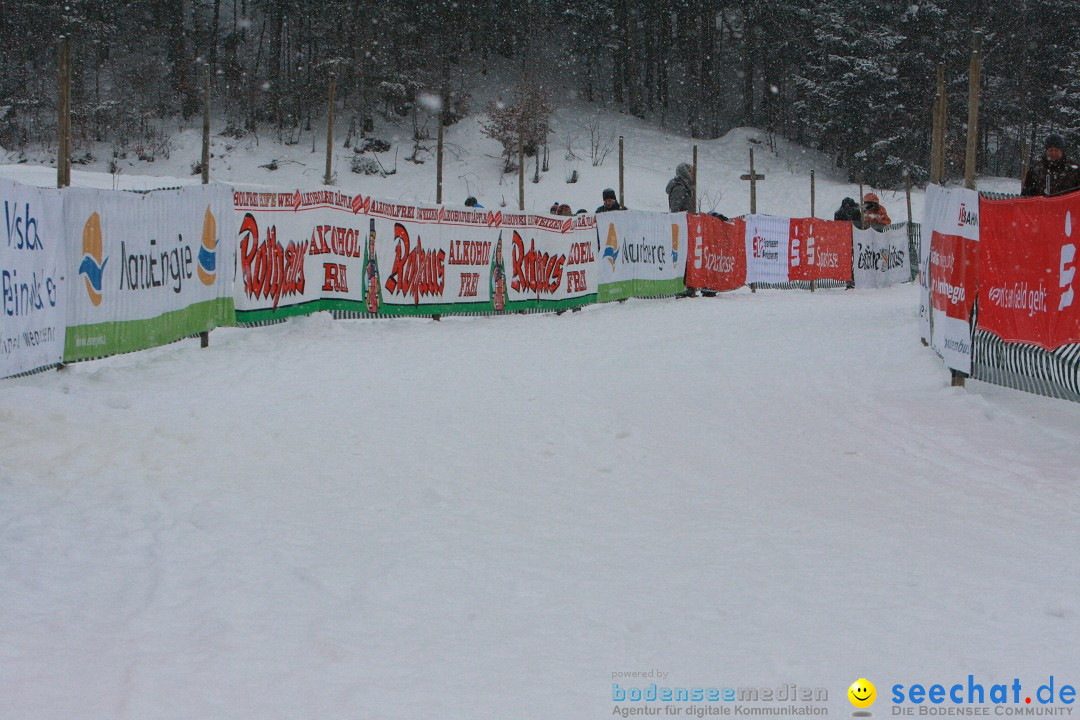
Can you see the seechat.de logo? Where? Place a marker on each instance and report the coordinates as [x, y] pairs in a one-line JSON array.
[[208, 250], [611, 247], [92, 267]]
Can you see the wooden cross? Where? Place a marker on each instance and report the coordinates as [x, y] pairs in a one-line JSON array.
[[753, 183]]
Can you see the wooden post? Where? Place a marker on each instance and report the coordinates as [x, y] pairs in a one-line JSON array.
[[812, 193], [753, 178], [204, 336], [907, 190], [329, 179], [206, 127], [693, 186], [622, 188], [1024, 150], [60, 112], [521, 171], [973, 111], [937, 166], [439, 161], [63, 119]]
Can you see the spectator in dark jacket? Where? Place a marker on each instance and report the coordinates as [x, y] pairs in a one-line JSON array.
[[1053, 174], [849, 211], [610, 202], [679, 189]]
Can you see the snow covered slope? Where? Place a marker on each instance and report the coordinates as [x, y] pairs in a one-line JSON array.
[[487, 517]]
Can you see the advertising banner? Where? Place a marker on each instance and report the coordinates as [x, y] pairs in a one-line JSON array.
[[146, 269], [1027, 270], [782, 250], [766, 247], [882, 258], [552, 261], [952, 221], [642, 254], [717, 253], [302, 252], [819, 250], [33, 265]]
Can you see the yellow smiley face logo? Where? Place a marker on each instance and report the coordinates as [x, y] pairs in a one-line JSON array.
[[862, 693]]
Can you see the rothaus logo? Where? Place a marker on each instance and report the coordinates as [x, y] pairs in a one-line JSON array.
[[1067, 267], [967, 217]]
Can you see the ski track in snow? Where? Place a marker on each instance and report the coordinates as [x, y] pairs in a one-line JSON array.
[[486, 517]]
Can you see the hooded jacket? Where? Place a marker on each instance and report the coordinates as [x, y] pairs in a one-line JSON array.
[[849, 211], [1048, 177], [678, 190]]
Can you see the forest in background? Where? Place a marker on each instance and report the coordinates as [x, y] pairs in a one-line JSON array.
[[852, 79]]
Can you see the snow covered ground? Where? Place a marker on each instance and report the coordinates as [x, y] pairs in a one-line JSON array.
[[487, 517], [490, 517]]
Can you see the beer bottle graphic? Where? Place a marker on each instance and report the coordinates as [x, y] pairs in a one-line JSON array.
[[498, 278], [371, 272]]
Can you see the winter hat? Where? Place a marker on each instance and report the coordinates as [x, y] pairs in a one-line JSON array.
[[870, 198], [554, 208], [609, 194], [470, 201], [1054, 141]]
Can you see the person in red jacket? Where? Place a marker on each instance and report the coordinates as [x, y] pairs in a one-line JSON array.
[[874, 214]]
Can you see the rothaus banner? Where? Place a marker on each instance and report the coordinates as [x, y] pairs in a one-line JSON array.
[[301, 252], [781, 250], [1028, 270], [642, 254], [717, 253], [882, 257], [552, 261], [952, 219], [146, 269], [33, 265]]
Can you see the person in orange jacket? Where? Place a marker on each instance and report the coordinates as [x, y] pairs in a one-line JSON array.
[[874, 214]]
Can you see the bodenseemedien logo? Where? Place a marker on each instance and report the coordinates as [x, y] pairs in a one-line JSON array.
[[862, 695]]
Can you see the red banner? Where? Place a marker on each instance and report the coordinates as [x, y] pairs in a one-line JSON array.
[[1028, 264], [717, 258], [819, 250]]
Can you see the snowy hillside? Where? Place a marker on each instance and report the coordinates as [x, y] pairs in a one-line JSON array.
[[473, 167]]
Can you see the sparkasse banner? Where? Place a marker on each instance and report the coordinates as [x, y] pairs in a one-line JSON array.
[[33, 289], [782, 250], [1028, 270], [146, 269], [819, 250], [717, 253]]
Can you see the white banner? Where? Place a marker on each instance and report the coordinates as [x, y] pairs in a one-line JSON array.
[[33, 265], [882, 259], [947, 267], [300, 252], [767, 240], [146, 269], [642, 254]]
